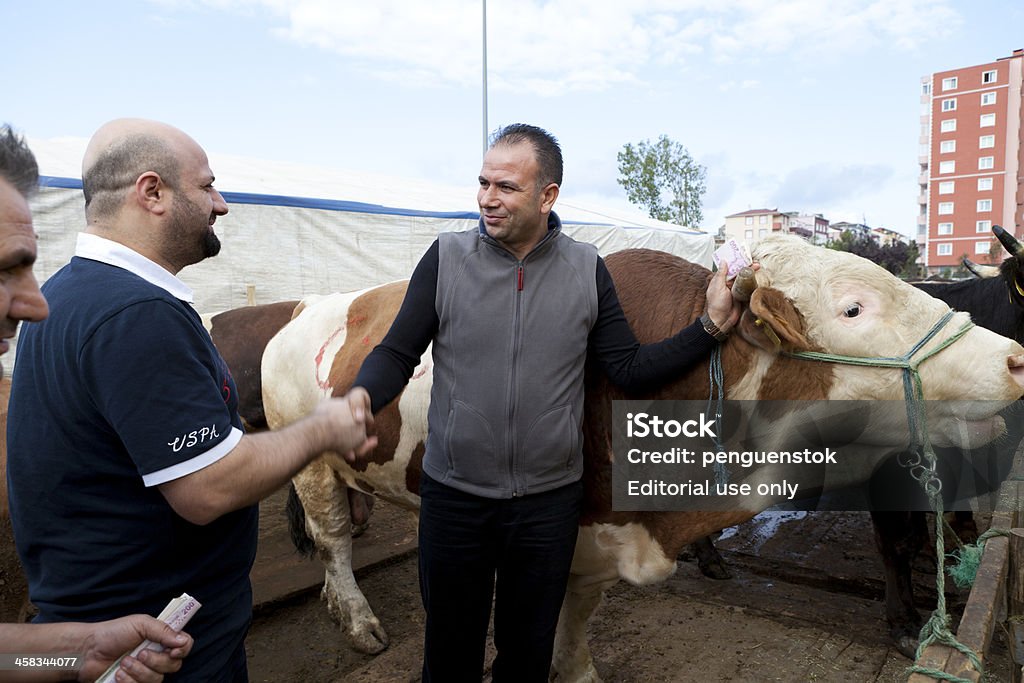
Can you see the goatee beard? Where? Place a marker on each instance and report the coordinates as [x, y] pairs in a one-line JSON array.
[[211, 244]]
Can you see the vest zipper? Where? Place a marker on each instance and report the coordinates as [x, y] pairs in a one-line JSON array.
[[512, 384]]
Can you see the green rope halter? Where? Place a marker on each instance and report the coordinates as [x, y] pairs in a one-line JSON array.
[[936, 629]]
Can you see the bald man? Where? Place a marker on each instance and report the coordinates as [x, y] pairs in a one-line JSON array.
[[131, 480]]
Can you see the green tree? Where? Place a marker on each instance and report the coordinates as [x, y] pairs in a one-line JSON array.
[[664, 179], [898, 258]]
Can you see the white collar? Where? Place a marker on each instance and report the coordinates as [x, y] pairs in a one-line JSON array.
[[116, 254]]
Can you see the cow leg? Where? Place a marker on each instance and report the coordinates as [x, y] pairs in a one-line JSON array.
[[899, 536], [359, 506], [572, 662], [964, 526], [709, 560], [325, 499]]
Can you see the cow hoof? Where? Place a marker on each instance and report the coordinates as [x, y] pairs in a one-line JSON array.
[[907, 646], [361, 627], [588, 675], [359, 529], [370, 640], [715, 570]]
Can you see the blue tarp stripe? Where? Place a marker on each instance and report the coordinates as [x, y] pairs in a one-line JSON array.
[[298, 202]]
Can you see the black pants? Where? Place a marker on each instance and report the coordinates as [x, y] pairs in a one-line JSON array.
[[465, 543]]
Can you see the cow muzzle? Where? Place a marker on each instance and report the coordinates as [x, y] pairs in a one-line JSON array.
[[1015, 364]]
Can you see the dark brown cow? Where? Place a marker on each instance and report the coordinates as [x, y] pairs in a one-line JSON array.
[[14, 603], [240, 335], [808, 297]]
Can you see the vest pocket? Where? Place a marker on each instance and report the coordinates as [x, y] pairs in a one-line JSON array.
[[551, 445], [470, 447]]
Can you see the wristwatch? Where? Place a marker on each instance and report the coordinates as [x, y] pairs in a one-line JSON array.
[[711, 328]]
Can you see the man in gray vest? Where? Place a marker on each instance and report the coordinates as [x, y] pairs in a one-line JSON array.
[[513, 309]]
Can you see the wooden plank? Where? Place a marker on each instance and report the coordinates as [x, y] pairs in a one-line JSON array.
[[985, 608], [998, 589]]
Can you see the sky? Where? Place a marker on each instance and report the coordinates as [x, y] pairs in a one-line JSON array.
[[800, 105]]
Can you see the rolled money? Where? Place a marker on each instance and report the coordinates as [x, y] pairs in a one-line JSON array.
[[176, 615]]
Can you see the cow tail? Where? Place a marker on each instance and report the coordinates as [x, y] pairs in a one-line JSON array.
[[297, 524]]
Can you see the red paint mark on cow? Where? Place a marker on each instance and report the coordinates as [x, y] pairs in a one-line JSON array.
[[356, 319], [366, 340], [325, 384], [422, 372]]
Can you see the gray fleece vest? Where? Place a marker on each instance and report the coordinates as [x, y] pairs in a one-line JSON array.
[[506, 407]]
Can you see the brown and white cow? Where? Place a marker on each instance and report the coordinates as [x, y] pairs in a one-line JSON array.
[[811, 298], [241, 335]]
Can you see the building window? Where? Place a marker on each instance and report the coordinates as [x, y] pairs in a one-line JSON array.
[[944, 249], [945, 228], [988, 76], [926, 88], [988, 98], [948, 125], [982, 247], [986, 141], [988, 120], [949, 105], [986, 162], [947, 146], [763, 220], [762, 232], [946, 187], [945, 208], [983, 226], [949, 83], [984, 184], [947, 166], [983, 205], [748, 235]]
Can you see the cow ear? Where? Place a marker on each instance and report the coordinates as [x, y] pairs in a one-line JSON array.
[[773, 324]]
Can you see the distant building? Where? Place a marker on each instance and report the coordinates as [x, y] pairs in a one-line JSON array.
[[858, 229], [882, 236], [886, 237], [754, 224], [971, 159]]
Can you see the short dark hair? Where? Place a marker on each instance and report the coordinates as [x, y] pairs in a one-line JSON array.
[[545, 147], [17, 163], [119, 166]]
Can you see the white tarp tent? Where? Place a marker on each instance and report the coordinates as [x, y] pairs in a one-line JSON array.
[[296, 230]]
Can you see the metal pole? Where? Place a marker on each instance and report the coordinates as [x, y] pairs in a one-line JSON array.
[[485, 77]]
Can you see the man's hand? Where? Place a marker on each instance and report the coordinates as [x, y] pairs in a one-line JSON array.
[[723, 310], [351, 423], [105, 641]]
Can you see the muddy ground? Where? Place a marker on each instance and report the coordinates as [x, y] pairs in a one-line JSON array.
[[804, 605]]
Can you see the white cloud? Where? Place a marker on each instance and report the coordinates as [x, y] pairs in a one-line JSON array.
[[561, 46]]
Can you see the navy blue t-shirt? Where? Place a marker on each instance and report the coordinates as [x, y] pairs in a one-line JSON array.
[[122, 382]]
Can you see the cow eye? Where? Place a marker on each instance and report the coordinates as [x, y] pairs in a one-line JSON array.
[[852, 311]]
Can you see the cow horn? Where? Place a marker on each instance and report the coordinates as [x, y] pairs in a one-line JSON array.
[[744, 284], [979, 270], [1008, 241]]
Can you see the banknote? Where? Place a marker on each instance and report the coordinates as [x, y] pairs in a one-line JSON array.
[[732, 255]]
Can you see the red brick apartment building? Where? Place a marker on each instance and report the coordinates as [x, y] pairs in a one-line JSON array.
[[971, 161]]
